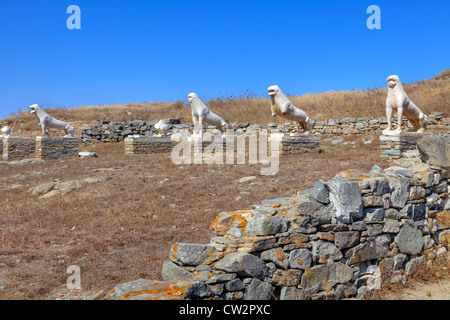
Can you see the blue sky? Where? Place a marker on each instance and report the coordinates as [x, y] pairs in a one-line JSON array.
[[145, 50]]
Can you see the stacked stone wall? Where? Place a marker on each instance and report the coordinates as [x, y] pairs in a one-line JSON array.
[[147, 145], [18, 148], [342, 238], [55, 149], [106, 131]]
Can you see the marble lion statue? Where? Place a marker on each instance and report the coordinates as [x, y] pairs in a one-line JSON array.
[[281, 106], [201, 113], [6, 131], [162, 127], [46, 121], [397, 100]]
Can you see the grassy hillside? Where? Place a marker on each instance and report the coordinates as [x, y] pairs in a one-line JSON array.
[[430, 95]]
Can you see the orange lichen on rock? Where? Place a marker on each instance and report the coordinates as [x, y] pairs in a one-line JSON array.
[[174, 249], [165, 291], [241, 217], [225, 220], [214, 222]]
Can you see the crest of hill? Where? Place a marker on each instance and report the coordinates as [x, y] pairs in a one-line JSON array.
[[431, 95]]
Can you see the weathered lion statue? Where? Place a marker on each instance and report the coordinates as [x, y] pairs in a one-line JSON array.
[[399, 101], [46, 121], [6, 131], [162, 127], [201, 113], [281, 106]]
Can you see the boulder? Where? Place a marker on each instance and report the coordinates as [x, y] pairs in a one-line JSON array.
[[359, 253], [399, 260], [242, 263], [50, 189], [373, 214], [317, 213], [300, 259], [290, 277], [434, 150], [346, 198], [378, 186], [87, 154], [346, 239], [258, 290], [291, 293], [198, 290], [417, 192], [190, 254], [325, 250], [400, 190], [391, 226], [322, 276], [320, 192], [413, 265], [261, 225], [44, 188], [276, 256], [234, 285], [379, 246], [144, 289], [409, 240], [170, 272], [253, 244], [414, 211]]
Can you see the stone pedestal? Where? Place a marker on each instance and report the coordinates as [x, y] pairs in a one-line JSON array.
[[17, 148], [398, 145], [147, 145], [55, 149]]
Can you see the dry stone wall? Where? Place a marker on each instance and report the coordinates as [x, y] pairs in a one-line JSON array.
[[14, 148], [147, 145], [287, 145], [18, 148], [338, 239], [299, 144], [53, 149], [106, 131], [373, 124]]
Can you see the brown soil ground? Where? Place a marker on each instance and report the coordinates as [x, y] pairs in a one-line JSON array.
[[422, 291]]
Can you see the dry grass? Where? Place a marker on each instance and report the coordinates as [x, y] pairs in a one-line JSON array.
[[124, 225], [430, 282], [430, 95]]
